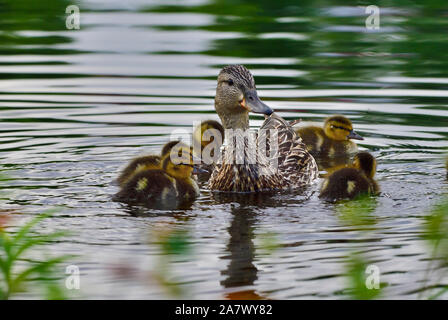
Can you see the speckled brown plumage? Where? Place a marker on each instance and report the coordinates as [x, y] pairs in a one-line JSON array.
[[295, 163], [295, 168]]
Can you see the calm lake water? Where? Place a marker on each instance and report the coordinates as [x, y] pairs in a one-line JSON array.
[[76, 105]]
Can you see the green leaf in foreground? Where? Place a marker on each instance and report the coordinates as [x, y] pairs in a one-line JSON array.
[[16, 270]]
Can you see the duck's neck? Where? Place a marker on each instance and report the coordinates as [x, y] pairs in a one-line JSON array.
[[234, 120]]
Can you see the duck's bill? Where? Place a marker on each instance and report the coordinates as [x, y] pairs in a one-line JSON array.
[[252, 103], [198, 170], [354, 135]]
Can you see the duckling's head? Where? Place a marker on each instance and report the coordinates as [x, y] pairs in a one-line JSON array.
[[366, 162], [340, 128], [236, 96], [169, 146], [216, 131], [178, 161]]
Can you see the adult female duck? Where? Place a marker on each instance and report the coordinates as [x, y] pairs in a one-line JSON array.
[[289, 167]]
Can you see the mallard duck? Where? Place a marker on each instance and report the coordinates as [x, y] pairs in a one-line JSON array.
[[169, 185], [349, 182], [332, 140], [148, 162], [207, 141], [248, 171]]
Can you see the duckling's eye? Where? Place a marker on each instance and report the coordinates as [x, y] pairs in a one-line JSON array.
[[230, 82], [337, 127]]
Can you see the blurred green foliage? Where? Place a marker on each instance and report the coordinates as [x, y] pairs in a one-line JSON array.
[[358, 214], [356, 269], [435, 233], [17, 269], [268, 243], [172, 243]]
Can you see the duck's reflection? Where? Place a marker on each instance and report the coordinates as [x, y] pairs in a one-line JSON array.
[[241, 270]]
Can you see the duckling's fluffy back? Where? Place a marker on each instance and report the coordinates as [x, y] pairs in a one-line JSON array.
[[157, 189], [150, 187], [136, 165], [347, 183], [320, 145]]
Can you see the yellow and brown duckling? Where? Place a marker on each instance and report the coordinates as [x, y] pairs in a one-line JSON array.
[[148, 162], [446, 166], [207, 141], [168, 186], [333, 140], [349, 182]]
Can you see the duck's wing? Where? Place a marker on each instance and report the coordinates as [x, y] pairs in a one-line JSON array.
[[240, 170], [294, 162]]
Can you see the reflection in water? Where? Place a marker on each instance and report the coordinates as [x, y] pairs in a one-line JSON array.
[[137, 209], [241, 270], [143, 211], [358, 212]]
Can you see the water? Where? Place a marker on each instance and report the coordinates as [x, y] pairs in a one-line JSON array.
[[76, 105]]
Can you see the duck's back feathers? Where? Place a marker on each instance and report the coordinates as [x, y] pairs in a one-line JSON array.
[[295, 163], [291, 166], [347, 183], [247, 173]]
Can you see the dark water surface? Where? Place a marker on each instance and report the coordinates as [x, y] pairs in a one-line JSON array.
[[76, 105]]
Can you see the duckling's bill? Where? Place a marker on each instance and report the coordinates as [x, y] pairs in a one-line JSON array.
[[198, 170], [354, 135]]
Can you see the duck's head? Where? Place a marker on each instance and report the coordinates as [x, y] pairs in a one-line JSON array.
[[340, 128], [216, 130], [366, 162], [236, 96], [178, 161]]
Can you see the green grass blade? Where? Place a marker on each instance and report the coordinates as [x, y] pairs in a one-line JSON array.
[[25, 229], [41, 268], [36, 240]]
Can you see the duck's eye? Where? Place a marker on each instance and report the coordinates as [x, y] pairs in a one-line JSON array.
[[230, 82]]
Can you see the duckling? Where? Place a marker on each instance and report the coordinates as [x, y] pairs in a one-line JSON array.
[[352, 181], [207, 141], [168, 186], [148, 162], [446, 165], [293, 166], [333, 140]]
